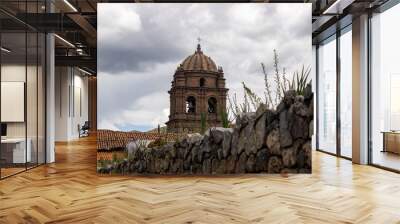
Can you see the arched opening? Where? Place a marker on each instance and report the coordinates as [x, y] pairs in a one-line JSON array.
[[212, 105], [202, 82], [191, 104]]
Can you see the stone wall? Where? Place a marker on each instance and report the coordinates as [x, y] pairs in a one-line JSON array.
[[266, 141]]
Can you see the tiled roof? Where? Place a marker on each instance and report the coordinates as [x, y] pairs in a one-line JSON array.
[[108, 140]]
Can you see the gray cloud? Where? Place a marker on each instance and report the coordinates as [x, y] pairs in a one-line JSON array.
[[140, 46]]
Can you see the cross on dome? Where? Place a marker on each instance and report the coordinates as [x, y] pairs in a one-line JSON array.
[[198, 44]]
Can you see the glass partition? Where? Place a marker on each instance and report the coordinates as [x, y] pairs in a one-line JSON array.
[[22, 78], [14, 153]]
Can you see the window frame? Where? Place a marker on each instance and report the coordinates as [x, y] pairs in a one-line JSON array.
[[333, 37]]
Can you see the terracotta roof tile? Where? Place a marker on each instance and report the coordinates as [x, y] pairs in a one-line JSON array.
[[108, 140]]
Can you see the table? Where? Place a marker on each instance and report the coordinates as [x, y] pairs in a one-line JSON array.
[[13, 150], [391, 141]]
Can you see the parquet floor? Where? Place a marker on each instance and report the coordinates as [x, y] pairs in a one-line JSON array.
[[10, 171], [70, 191]]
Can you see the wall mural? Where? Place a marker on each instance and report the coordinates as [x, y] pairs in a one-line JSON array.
[[167, 107]]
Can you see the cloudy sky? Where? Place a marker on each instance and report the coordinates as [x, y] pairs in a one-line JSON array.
[[141, 45]]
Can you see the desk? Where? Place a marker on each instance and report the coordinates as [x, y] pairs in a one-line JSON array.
[[13, 150], [391, 141]]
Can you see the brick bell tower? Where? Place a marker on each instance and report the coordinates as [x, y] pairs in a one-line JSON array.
[[198, 87]]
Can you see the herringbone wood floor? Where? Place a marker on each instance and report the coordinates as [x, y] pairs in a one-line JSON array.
[[70, 191]]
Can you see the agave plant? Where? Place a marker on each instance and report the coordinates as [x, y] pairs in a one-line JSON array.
[[300, 80]]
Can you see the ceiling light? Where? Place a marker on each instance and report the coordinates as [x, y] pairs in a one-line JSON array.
[[84, 71], [5, 50], [70, 5], [79, 51], [65, 41]]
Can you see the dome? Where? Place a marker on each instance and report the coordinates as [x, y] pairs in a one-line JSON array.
[[199, 61]]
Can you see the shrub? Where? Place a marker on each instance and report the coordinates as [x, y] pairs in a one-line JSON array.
[[157, 143], [102, 163]]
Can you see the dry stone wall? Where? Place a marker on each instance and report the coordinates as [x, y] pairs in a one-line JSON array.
[[266, 141]]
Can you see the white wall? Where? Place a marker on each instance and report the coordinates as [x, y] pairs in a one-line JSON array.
[[71, 102], [12, 73], [62, 82]]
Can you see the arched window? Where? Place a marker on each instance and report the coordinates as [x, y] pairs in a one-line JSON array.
[[202, 82], [212, 105], [191, 104]]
